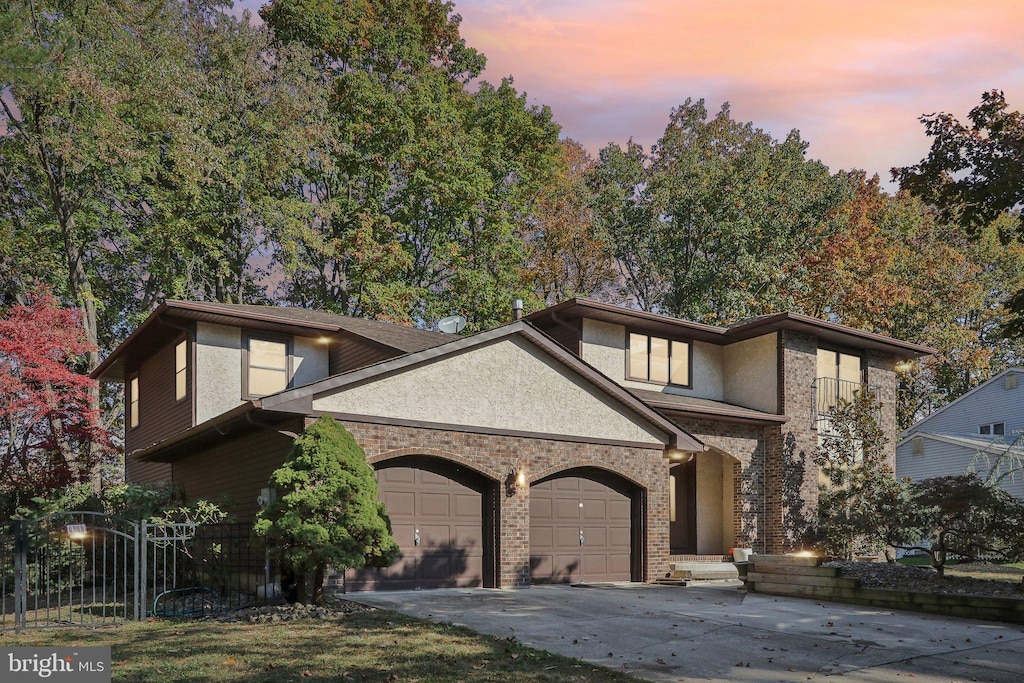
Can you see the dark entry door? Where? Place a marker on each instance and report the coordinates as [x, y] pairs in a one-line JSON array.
[[580, 530], [437, 517]]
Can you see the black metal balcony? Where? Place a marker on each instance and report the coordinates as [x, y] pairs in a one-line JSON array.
[[828, 394]]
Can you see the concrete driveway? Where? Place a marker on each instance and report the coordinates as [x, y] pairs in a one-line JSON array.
[[721, 633]]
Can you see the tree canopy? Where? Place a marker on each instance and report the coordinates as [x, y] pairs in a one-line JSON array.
[[348, 156]]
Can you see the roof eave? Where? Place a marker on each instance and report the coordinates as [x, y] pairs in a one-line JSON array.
[[298, 399]]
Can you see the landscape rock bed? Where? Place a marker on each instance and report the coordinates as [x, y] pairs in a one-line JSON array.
[[900, 577], [269, 614]]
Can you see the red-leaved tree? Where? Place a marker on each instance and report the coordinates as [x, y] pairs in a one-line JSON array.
[[50, 436]]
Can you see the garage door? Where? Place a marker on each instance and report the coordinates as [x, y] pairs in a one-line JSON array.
[[580, 530], [437, 517]]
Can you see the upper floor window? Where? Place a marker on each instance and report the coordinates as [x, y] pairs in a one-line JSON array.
[[180, 370], [995, 429], [267, 371], [660, 360], [133, 401]]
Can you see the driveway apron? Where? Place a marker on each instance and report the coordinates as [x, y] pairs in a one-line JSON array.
[[721, 633]]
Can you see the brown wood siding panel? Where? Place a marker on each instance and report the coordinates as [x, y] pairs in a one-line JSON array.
[[137, 472], [570, 339], [233, 472], [160, 415], [348, 354]]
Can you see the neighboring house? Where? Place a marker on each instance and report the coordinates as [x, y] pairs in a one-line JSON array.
[[585, 442], [978, 431]]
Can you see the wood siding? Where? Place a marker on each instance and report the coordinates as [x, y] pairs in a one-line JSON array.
[[160, 415], [233, 472], [136, 472], [349, 354]]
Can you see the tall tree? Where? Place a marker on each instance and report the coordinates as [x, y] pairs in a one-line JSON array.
[[48, 428], [571, 254], [973, 173], [419, 189], [136, 142], [729, 206], [621, 187]]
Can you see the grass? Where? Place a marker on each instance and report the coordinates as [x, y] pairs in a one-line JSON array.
[[374, 645]]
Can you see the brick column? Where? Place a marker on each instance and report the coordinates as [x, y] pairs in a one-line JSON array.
[[793, 475]]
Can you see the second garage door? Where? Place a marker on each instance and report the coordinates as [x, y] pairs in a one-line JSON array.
[[438, 514], [580, 529]]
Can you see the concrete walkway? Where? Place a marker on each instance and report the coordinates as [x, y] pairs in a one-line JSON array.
[[721, 633]]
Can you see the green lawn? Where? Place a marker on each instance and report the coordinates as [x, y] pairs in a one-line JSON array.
[[363, 646]]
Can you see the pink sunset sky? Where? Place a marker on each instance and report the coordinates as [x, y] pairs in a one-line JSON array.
[[853, 77]]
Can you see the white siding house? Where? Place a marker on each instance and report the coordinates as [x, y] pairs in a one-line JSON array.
[[973, 433]]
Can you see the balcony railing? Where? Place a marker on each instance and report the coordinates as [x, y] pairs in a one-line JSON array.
[[828, 394]]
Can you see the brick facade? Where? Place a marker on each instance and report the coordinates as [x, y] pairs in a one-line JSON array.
[[493, 456], [743, 447]]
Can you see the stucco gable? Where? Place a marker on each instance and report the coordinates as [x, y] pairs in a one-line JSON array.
[[513, 380]]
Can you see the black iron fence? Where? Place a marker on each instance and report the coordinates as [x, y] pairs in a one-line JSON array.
[[92, 569]]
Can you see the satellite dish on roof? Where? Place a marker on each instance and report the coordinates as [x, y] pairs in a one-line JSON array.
[[453, 324]]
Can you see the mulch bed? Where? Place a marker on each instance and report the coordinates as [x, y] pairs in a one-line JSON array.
[[924, 580]]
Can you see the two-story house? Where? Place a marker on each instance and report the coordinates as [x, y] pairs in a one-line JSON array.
[[980, 431], [586, 442]]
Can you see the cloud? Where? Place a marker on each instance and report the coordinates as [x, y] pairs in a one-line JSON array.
[[853, 77]]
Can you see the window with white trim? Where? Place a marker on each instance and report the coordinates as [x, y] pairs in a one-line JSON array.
[[994, 429]]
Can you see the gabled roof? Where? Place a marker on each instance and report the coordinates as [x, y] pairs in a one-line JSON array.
[[300, 399], [917, 425], [167, 318], [835, 333]]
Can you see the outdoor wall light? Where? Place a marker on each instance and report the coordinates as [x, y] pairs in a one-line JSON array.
[[76, 532], [677, 456], [515, 480], [267, 496]]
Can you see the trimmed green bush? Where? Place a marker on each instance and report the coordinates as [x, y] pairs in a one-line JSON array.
[[328, 512]]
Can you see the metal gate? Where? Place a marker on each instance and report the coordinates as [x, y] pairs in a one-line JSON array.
[[94, 569], [75, 568]]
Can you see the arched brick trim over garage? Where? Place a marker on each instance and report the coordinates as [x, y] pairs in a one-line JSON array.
[[494, 454], [587, 524], [589, 463], [444, 515], [474, 465]]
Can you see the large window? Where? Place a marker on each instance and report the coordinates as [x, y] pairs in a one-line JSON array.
[[268, 366], [840, 377], [133, 401], [659, 360], [180, 370]]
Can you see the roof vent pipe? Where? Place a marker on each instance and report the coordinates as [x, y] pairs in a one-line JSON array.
[[517, 309]]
